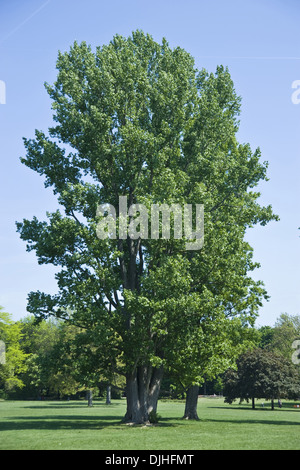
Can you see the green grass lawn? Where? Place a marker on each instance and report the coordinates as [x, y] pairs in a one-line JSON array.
[[73, 425]]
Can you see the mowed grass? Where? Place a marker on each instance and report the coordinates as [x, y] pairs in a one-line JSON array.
[[74, 426]]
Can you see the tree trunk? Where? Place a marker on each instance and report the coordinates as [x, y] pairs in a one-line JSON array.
[[272, 404], [191, 403], [204, 388], [90, 397], [154, 389], [253, 403], [108, 395], [142, 391]]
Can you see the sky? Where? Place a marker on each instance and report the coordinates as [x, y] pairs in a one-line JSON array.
[[258, 40]]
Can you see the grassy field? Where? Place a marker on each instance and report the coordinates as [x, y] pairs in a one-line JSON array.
[[74, 426]]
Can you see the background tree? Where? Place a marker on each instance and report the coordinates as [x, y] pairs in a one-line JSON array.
[[15, 359], [136, 119], [218, 351], [265, 336], [37, 342], [79, 357], [281, 336], [286, 330], [261, 374]]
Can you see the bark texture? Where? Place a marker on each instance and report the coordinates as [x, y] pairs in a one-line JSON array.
[[191, 403], [142, 391]]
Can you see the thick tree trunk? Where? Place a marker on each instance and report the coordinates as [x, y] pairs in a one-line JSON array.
[[154, 389], [142, 390], [191, 403]]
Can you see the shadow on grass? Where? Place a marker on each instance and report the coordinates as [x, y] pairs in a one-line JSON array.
[[259, 408], [77, 423], [84, 419], [260, 415], [73, 422], [59, 422], [69, 405]]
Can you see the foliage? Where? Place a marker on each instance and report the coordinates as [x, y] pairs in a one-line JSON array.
[[37, 341], [286, 330], [261, 374], [61, 360], [14, 363], [266, 336], [281, 336]]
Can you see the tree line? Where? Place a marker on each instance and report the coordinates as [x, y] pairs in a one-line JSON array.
[[54, 359]]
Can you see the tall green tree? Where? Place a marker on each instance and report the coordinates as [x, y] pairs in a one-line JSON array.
[[136, 119]]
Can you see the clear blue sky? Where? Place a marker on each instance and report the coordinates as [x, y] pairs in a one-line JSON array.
[[258, 40]]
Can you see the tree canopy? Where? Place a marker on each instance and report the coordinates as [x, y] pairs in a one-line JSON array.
[[261, 374]]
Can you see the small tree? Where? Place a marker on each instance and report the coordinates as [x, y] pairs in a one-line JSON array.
[[261, 374]]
